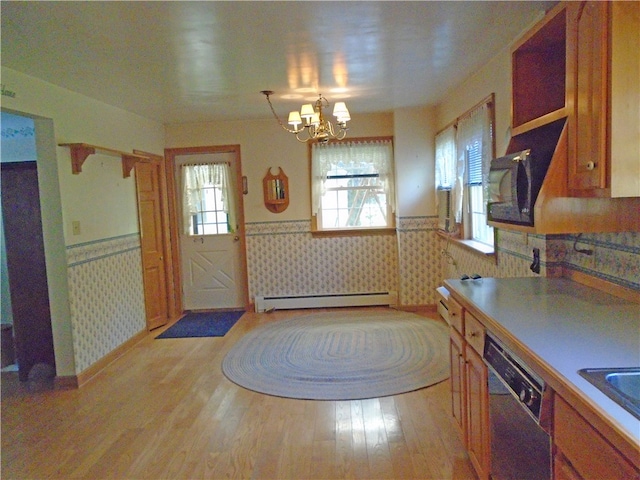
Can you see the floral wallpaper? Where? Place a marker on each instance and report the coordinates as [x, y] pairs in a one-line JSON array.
[[421, 269], [285, 259], [106, 296]]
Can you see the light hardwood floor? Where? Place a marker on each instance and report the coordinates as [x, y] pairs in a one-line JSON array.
[[165, 410]]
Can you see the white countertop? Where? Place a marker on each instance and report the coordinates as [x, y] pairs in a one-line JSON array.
[[568, 326]]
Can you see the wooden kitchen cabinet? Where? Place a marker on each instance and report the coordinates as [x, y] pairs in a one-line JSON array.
[[581, 63], [478, 427], [469, 392], [604, 65], [581, 452], [539, 74], [458, 382]]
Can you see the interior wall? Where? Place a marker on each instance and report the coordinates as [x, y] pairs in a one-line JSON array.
[[419, 267], [96, 275], [283, 258], [263, 145]]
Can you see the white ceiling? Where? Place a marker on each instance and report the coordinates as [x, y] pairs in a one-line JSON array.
[[196, 61]]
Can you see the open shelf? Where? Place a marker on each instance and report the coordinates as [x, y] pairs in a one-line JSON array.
[[81, 151], [539, 79]]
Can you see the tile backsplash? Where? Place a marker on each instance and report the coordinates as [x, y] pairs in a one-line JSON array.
[[614, 257]]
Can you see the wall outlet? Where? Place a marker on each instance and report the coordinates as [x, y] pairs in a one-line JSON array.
[[75, 227]]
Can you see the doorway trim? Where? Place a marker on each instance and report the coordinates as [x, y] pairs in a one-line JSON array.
[[174, 222], [169, 274], [54, 248]]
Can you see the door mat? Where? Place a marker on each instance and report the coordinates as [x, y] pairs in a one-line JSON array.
[[202, 324]]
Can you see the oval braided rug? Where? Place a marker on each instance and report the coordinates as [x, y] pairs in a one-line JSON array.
[[341, 356]]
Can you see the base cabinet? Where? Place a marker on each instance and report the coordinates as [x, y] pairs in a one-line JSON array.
[[478, 434], [469, 393], [585, 445], [458, 382], [581, 452]]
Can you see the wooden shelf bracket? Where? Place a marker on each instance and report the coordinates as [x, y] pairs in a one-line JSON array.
[[81, 151]]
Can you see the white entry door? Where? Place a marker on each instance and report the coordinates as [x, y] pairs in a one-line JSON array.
[[210, 241], [209, 269]]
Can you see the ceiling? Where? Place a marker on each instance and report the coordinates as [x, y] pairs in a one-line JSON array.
[[180, 62]]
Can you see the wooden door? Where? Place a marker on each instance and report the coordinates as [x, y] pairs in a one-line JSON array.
[[148, 178], [26, 265]]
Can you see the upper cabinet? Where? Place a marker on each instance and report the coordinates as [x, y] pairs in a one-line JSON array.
[[581, 62], [604, 142]]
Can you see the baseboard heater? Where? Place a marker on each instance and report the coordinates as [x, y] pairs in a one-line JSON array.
[[264, 304]]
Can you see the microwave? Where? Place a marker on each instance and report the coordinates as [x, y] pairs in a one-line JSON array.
[[514, 183]]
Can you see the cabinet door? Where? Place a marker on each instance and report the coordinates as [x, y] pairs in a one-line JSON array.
[[588, 39], [562, 469], [478, 428], [589, 453], [458, 381]]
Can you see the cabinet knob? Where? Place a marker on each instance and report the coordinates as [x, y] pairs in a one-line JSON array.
[[590, 165]]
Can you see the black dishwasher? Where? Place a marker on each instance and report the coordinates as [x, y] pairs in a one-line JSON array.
[[520, 448]]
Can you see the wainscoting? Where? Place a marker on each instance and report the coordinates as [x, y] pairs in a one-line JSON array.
[[106, 296], [419, 257], [284, 259]]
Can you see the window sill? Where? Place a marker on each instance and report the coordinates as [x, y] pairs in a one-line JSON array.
[[473, 246], [361, 232]]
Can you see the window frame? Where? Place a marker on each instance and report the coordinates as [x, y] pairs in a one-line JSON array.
[[463, 231], [316, 227], [189, 227]]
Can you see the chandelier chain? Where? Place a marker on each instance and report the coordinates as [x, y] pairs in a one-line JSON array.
[[275, 115]]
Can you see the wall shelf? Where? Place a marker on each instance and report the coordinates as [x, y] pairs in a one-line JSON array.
[[81, 151], [276, 191]]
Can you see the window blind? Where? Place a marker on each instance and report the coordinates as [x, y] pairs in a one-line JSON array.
[[474, 163]]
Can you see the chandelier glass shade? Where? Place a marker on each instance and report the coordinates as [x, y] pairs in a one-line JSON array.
[[310, 123]]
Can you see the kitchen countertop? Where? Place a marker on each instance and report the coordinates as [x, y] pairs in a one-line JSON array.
[[566, 326]]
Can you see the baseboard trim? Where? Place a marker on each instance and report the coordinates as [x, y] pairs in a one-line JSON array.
[[87, 374], [430, 309], [66, 382]]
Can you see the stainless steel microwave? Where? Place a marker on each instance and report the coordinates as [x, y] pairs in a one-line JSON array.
[[514, 183]]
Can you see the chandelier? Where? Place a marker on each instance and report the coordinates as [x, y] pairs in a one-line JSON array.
[[311, 119]]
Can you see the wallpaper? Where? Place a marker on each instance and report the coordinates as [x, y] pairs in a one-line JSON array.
[[421, 268], [106, 296], [283, 258]]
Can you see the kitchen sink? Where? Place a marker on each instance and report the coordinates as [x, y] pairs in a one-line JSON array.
[[622, 385]]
